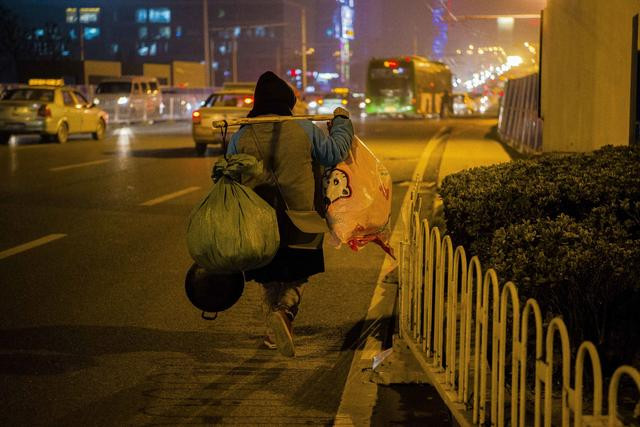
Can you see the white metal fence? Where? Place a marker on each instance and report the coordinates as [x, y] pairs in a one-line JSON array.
[[449, 312]]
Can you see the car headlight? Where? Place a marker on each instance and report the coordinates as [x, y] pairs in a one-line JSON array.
[[313, 104], [123, 100], [96, 101]]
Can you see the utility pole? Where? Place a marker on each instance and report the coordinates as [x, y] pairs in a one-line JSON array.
[[303, 30], [234, 42], [206, 38]]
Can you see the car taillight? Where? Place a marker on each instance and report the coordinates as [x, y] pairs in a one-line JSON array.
[[196, 117], [44, 111]]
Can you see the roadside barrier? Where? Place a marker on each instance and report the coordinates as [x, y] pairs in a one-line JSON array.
[[518, 121], [176, 104], [456, 319]]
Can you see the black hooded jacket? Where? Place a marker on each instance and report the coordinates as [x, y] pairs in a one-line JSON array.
[[272, 96]]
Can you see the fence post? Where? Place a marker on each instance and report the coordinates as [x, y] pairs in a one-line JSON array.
[[509, 290], [531, 306], [433, 266], [459, 262], [446, 268], [590, 349], [613, 390], [557, 325]]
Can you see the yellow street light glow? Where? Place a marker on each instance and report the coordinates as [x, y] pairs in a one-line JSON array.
[[514, 60], [526, 44], [471, 46]]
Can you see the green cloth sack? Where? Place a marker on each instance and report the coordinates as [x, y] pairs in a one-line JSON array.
[[233, 229]]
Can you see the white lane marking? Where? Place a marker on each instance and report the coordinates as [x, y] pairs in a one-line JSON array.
[[373, 346], [79, 165], [30, 245], [16, 147], [169, 196]]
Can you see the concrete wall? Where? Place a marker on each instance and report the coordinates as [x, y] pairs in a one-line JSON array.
[[160, 71], [586, 70], [188, 74], [94, 71]]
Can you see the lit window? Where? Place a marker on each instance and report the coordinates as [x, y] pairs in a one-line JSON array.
[[221, 13], [39, 32], [89, 15], [261, 32], [115, 48], [179, 31], [72, 15], [141, 15], [164, 32], [143, 50], [153, 49], [143, 32], [160, 15], [72, 34], [91, 33]]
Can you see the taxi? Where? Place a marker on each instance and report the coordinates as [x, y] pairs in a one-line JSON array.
[[225, 104], [50, 109]]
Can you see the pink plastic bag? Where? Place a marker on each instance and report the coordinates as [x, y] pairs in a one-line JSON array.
[[358, 199]]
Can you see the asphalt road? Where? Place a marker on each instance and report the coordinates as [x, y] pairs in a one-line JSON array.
[[95, 325]]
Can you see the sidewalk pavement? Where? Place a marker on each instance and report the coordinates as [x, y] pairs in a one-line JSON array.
[[451, 150], [471, 148]]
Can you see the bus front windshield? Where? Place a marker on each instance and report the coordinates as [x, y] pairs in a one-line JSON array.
[[389, 81]]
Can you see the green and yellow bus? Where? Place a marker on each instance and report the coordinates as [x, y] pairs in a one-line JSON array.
[[406, 86]]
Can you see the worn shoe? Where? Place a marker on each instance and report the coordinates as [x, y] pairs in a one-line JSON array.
[[269, 342], [280, 325]]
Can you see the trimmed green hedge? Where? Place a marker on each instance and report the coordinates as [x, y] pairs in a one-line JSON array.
[[566, 230]]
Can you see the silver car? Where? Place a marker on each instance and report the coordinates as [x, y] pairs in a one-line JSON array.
[[130, 98], [53, 112], [232, 103]]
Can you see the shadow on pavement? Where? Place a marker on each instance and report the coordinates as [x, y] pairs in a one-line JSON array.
[[57, 349], [323, 389]]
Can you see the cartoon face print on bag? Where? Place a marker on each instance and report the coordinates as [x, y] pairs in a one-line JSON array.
[[335, 184]]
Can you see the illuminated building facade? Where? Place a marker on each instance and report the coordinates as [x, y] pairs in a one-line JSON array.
[[248, 36]]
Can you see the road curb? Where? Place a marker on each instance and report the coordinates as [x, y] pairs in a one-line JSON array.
[[360, 394]]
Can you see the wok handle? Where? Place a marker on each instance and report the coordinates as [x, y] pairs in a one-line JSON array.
[[205, 317]]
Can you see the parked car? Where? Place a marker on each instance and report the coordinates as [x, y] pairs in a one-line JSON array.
[[130, 98], [48, 108], [225, 104]]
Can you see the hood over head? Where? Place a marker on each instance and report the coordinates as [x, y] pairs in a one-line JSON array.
[[272, 96]]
